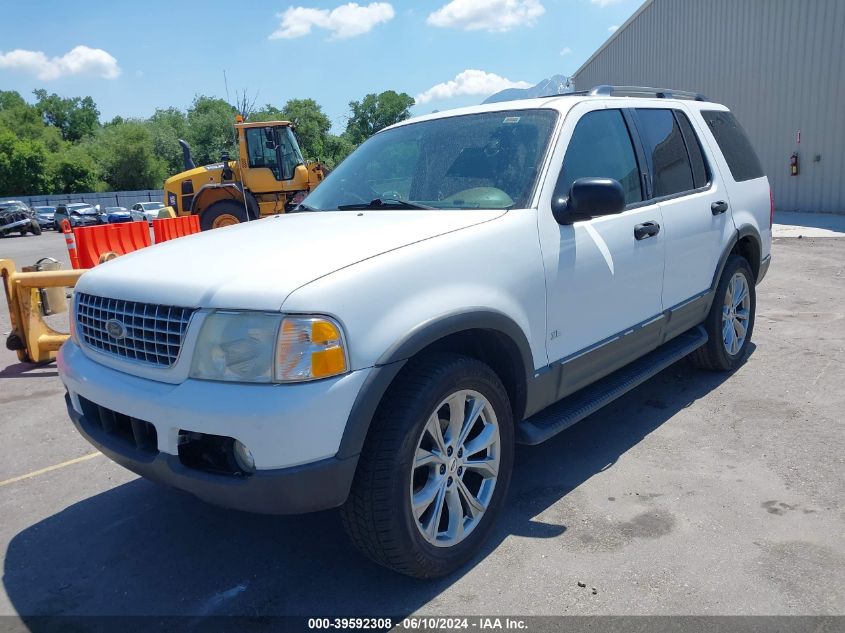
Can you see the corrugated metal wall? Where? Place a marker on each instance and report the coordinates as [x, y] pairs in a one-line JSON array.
[[779, 65], [105, 199]]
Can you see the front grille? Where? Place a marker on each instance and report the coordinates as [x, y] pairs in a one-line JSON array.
[[145, 332], [130, 431]]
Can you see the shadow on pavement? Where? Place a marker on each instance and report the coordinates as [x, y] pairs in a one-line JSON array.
[[141, 549], [29, 370]]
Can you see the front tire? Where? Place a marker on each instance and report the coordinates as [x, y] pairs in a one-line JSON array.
[[435, 468], [730, 322], [223, 213]]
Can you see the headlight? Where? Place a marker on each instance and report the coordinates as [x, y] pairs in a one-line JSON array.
[[263, 348]]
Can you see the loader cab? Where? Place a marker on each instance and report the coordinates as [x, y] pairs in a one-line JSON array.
[[270, 155]]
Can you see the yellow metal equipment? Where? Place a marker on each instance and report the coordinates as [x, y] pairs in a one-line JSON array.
[[30, 297], [270, 177]]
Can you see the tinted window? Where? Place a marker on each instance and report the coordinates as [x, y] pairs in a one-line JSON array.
[[671, 171], [601, 147], [699, 166], [735, 146]]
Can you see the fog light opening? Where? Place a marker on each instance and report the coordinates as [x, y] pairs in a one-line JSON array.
[[244, 457]]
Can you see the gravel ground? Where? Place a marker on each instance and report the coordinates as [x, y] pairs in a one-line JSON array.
[[696, 494]]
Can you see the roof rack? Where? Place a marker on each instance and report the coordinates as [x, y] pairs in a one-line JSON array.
[[644, 91]]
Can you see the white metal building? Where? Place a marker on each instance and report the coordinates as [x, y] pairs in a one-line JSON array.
[[779, 65]]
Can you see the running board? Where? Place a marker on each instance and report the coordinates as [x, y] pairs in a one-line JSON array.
[[563, 414]]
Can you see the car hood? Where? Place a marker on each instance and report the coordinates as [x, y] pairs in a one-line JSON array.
[[256, 265]]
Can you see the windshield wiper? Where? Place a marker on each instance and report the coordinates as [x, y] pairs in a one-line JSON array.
[[380, 203]]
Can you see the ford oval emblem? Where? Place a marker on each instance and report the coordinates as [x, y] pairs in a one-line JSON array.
[[115, 329]]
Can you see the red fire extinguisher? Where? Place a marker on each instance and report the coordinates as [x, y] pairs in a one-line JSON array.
[[793, 164]]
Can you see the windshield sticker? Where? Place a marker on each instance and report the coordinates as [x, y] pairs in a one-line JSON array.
[[511, 119]]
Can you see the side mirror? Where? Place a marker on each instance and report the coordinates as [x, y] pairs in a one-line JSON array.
[[589, 198]]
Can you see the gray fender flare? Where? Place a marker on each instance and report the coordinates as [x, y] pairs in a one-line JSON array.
[[393, 360]]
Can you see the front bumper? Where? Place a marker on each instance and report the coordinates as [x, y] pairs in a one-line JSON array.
[[15, 226], [297, 490], [293, 431]]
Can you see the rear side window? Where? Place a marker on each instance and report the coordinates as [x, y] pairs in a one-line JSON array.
[[735, 146], [670, 165], [699, 166], [601, 148]]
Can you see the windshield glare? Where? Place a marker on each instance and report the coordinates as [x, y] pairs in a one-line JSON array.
[[478, 161]]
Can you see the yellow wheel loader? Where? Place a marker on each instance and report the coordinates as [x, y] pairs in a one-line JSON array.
[[270, 177]]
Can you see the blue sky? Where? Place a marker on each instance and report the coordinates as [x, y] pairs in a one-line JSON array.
[[133, 57]]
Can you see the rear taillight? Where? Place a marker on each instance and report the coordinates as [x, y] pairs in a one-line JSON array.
[[771, 208]]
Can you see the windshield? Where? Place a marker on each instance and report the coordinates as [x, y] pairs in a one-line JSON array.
[[149, 206], [477, 161]]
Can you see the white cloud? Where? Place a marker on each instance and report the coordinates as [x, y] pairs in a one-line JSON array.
[[565, 51], [612, 29], [469, 82], [347, 20], [81, 60], [605, 3], [487, 15]]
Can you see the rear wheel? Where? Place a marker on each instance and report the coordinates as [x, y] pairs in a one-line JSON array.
[[223, 213], [435, 469], [36, 228], [731, 319]]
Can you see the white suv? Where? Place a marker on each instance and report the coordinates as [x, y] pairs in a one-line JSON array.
[[463, 281]]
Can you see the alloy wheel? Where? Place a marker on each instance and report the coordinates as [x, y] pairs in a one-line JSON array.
[[735, 314], [455, 469]]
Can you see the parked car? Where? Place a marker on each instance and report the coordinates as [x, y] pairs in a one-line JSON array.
[[462, 282], [146, 211], [113, 215], [79, 214], [16, 217], [45, 216]]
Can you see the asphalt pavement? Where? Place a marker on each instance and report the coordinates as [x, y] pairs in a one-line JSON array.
[[696, 494]]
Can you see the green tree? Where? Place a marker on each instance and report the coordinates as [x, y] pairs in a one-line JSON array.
[[268, 113], [375, 112], [336, 148], [210, 129], [312, 126], [167, 126], [75, 117], [72, 170], [125, 154], [22, 166], [19, 117]]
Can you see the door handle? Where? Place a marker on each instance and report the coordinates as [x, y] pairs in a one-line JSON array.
[[718, 207], [646, 229]]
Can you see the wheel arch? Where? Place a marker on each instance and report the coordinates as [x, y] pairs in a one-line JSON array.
[[489, 336], [745, 242], [749, 246], [216, 192]]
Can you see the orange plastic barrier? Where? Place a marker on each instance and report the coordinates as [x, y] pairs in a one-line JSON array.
[[94, 241], [171, 228], [70, 241]]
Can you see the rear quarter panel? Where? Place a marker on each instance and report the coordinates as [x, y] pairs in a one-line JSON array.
[[749, 199]]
